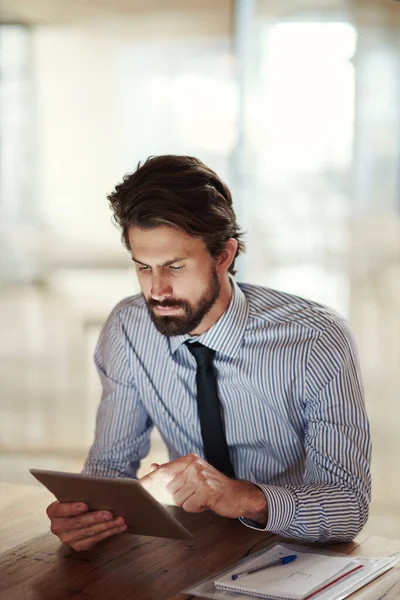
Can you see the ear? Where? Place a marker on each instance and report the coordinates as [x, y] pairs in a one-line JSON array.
[[226, 257]]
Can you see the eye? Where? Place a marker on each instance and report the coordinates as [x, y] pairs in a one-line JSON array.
[[176, 268], [144, 268]]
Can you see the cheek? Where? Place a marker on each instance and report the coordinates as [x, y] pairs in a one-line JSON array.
[[196, 287], [145, 284]]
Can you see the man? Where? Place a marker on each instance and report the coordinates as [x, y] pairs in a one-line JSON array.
[[256, 393]]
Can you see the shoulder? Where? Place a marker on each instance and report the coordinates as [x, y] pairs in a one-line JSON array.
[[132, 305], [128, 318], [268, 306]]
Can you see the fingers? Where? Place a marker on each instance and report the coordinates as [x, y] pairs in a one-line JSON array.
[[65, 509], [182, 496], [88, 543], [187, 493], [72, 536], [194, 484], [80, 528], [166, 473], [193, 504], [156, 475], [59, 525], [176, 485]]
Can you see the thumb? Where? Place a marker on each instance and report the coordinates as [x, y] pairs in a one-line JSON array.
[[148, 480]]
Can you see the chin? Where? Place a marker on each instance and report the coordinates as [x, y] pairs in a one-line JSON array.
[[169, 326]]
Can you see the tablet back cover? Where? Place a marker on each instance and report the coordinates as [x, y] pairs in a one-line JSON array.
[[123, 497]]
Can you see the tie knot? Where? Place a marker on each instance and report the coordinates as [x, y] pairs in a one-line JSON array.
[[202, 354]]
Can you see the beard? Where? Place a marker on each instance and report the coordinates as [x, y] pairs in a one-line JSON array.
[[192, 315]]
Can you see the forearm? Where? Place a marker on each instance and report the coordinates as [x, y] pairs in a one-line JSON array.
[[106, 466], [118, 449], [119, 458], [318, 512], [332, 503], [122, 437]]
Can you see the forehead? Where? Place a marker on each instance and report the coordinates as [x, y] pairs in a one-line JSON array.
[[163, 242]]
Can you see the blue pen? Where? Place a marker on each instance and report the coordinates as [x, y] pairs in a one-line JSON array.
[[281, 561]]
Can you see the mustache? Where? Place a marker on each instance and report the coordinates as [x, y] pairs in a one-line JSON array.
[[151, 303]]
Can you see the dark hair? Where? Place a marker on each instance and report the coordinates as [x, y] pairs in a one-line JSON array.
[[179, 191]]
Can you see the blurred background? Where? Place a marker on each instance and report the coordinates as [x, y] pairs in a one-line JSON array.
[[295, 103]]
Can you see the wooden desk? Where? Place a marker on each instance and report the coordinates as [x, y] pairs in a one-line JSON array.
[[34, 565]]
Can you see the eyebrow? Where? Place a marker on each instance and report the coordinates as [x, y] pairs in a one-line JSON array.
[[166, 264]]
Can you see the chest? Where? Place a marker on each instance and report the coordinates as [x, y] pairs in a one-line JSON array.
[[260, 389]]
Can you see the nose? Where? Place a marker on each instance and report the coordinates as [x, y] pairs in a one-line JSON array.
[[160, 286]]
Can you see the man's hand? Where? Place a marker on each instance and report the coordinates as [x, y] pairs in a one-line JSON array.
[[197, 486], [80, 528]]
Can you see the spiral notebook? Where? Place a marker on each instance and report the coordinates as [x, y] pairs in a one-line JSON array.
[[338, 589], [298, 580]]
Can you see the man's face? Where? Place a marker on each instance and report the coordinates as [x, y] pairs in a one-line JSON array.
[[178, 277]]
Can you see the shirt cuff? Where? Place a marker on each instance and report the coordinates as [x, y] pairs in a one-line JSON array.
[[281, 505]]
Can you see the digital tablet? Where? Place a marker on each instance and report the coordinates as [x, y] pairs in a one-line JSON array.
[[123, 497]]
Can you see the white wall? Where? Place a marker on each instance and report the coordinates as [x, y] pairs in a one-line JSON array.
[[106, 100]]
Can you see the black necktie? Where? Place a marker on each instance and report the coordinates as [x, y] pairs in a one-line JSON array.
[[209, 408]]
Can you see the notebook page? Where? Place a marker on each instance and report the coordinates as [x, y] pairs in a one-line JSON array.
[[293, 581]]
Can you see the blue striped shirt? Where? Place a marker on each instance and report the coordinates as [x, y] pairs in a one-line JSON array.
[[291, 394]]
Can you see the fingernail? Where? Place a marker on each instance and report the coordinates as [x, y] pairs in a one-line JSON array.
[[106, 517], [81, 508]]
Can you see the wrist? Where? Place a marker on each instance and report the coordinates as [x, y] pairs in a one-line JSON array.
[[256, 507]]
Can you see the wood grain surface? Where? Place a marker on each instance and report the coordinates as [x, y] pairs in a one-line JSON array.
[[34, 565]]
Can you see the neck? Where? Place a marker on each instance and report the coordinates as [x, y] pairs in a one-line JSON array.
[[218, 309]]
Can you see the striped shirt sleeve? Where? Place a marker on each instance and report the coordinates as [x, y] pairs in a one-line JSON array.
[[123, 425], [332, 504]]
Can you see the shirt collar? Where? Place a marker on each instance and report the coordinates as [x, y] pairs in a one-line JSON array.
[[226, 335]]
